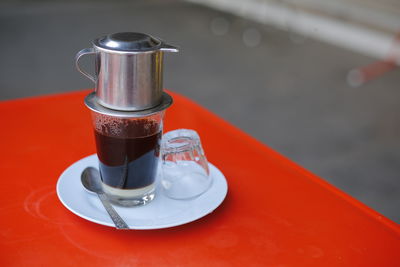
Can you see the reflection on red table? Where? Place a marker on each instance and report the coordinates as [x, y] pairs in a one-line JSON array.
[[276, 213]]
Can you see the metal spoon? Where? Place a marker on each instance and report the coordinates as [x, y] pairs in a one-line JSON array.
[[90, 178]]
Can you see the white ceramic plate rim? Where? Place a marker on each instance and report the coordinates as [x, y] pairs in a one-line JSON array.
[[162, 212]]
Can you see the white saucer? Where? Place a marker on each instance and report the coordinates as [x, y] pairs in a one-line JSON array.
[[162, 212]]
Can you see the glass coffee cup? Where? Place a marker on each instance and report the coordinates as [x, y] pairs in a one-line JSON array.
[[128, 150]]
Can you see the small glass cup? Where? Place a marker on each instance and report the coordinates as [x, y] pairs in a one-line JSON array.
[[128, 149], [184, 166]]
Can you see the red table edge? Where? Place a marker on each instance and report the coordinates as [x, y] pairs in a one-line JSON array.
[[341, 194]]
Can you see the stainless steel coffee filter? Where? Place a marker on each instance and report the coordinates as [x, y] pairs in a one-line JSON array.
[[128, 70]]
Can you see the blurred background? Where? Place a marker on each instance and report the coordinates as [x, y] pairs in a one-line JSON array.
[[315, 80]]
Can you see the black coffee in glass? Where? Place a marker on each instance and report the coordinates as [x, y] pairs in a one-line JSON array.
[[128, 152]]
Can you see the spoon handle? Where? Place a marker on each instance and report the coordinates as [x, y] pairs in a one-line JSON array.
[[118, 221]]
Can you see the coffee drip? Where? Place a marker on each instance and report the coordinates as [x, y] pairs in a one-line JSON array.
[[127, 107]]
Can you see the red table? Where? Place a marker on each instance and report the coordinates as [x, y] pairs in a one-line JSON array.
[[276, 213]]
